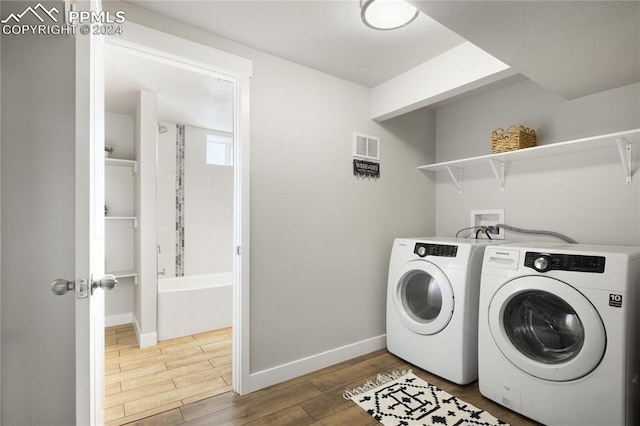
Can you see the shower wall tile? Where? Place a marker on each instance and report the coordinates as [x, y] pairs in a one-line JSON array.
[[180, 169]]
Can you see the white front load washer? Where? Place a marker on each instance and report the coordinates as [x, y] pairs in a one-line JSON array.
[[558, 332], [432, 304]]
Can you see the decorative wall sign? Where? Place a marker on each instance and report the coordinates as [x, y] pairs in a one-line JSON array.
[[363, 168]]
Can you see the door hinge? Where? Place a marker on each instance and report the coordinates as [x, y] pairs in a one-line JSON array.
[[238, 251]]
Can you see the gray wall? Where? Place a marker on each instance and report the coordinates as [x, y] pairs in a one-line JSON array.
[[320, 238], [38, 138], [582, 195]]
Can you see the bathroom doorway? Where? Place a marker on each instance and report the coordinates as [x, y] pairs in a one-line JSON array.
[[195, 222], [177, 121]]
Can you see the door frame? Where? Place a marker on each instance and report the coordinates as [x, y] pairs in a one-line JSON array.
[[179, 52], [89, 223]]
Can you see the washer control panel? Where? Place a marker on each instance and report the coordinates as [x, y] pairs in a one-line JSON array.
[[543, 262], [424, 249]]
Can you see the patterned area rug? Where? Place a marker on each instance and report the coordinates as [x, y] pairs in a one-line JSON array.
[[403, 399]]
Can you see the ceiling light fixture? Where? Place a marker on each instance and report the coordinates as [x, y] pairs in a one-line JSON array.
[[387, 14]]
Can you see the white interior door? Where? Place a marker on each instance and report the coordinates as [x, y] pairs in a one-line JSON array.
[[89, 220], [49, 168]]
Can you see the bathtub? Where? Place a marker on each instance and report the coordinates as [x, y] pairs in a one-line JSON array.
[[190, 305]]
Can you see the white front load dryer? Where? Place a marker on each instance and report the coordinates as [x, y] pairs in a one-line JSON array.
[[432, 305], [558, 332]]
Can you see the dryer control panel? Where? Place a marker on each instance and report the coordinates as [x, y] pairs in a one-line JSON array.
[[543, 262], [425, 249]]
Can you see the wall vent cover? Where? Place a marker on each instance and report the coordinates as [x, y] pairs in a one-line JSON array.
[[365, 146]]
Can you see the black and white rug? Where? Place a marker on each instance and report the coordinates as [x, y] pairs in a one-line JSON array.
[[403, 399]]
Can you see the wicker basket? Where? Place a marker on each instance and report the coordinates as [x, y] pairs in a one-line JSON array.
[[512, 139]]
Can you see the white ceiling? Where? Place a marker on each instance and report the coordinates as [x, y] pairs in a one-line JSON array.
[[328, 36], [573, 48], [184, 96]]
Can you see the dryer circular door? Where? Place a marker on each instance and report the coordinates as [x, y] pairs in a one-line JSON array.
[[423, 297], [547, 328]]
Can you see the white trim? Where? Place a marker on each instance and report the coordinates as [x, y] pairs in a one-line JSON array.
[[208, 60], [111, 320], [85, 406], [290, 370], [241, 287], [144, 340], [89, 222], [172, 49]]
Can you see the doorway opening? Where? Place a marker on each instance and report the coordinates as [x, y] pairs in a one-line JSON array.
[[175, 180]]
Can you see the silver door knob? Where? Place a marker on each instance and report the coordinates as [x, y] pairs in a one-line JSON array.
[[108, 282], [62, 286]]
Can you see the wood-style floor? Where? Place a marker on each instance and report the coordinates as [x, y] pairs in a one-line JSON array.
[[313, 399], [143, 382]]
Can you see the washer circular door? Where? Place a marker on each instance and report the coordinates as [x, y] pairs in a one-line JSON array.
[[547, 328], [423, 297]]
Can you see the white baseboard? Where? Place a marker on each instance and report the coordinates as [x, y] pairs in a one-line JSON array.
[[290, 370], [111, 320], [144, 340]]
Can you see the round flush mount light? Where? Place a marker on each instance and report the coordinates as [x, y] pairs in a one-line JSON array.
[[387, 14]]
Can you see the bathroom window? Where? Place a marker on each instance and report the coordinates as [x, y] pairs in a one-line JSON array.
[[219, 150]]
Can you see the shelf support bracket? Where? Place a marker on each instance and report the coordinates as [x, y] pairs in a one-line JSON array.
[[624, 149], [457, 181], [498, 170]]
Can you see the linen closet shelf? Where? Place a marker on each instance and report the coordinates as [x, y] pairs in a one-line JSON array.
[[119, 230]]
